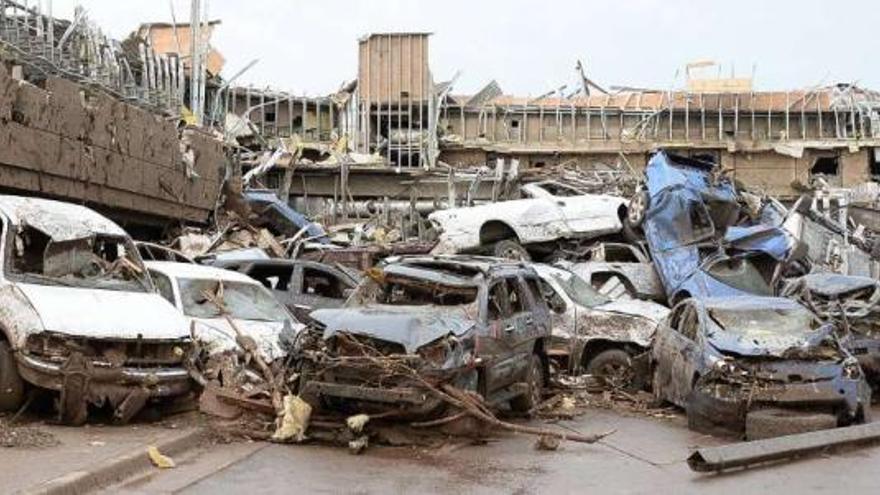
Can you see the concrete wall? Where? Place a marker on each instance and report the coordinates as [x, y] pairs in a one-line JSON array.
[[68, 143]]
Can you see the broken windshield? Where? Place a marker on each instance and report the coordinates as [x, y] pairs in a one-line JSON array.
[[579, 291], [96, 261], [241, 300], [765, 322]]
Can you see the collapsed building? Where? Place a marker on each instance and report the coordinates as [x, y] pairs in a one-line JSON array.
[[85, 120]]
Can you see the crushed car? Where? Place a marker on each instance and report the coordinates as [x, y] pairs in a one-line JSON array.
[[541, 223], [853, 303], [280, 218], [690, 215], [597, 335], [617, 270], [242, 309], [80, 316], [421, 322], [759, 365], [302, 286]]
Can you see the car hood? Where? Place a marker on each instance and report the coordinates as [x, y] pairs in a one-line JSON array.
[[835, 285], [636, 307], [769, 343], [105, 314], [410, 326], [216, 335]]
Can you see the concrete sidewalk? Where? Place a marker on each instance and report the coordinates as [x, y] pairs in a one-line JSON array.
[[92, 456]]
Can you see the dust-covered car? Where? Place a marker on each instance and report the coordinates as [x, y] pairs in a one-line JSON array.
[[595, 334], [476, 323], [541, 222], [853, 303], [80, 315], [250, 307], [765, 365]]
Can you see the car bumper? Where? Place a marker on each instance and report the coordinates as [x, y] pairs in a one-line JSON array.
[[155, 382], [848, 398]]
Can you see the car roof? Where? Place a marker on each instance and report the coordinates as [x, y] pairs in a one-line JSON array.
[[59, 220], [189, 270], [482, 264], [748, 303]]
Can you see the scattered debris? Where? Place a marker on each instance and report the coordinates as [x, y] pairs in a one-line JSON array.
[[20, 436], [159, 459]]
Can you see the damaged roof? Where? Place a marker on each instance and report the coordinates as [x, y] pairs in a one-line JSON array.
[[60, 221]]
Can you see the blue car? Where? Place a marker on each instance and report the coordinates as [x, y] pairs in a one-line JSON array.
[[692, 222], [280, 218]]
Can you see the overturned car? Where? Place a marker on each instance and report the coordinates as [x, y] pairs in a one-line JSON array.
[[79, 315], [762, 365], [422, 322]]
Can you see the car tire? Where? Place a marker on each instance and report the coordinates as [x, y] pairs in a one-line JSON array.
[[11, 384], [637, 209], [510, 249], [775, 422], [535, 387], [614, 367]]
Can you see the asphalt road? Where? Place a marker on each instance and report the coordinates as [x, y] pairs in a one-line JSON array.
[[645, 455]]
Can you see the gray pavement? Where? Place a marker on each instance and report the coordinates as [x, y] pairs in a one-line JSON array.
[[645, 455]]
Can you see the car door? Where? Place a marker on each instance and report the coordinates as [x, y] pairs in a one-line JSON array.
[[684, 361], [590, 215], [496, 346]]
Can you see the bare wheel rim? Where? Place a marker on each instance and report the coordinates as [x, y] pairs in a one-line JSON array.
[[637, 206]]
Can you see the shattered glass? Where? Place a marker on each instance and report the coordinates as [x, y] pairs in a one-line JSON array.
[[243, 301]]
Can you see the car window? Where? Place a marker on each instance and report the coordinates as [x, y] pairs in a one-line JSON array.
[[515, 296], [553, 299], [163, 285], [272, 277], [318, 282], [498, 304], [241, 300]]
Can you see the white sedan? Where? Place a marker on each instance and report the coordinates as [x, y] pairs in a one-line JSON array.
[[247, 302]]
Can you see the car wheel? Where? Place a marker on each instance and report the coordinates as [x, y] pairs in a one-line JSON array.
[[614, 367], [11, 384], [637, 209], [535, 387], [510, 249], [774, 422]]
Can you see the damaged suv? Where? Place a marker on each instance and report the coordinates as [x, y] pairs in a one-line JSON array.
[[765, 365], [80, 316], [414, 323]]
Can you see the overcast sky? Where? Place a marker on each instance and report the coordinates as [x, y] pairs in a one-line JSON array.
[[530, 47]]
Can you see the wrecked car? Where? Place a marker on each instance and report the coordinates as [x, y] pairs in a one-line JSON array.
[[853, 303], [617, 270], [689, 213], [541, 223], [250, 308], [756, 363], [278, 216], [597, 335], [302, 286], [80, 316], [416, 323]]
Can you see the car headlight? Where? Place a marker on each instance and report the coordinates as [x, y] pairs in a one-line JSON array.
[[851, 369], [728, 366]]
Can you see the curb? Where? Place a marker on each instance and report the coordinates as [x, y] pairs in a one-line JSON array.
[[119, 469]]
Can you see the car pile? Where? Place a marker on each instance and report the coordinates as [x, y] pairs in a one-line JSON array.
[[751, 316]]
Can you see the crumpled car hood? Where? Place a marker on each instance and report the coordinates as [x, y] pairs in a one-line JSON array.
[[766, 344], [410, 326], [216, 335], [105, 314], [636, 307], [834, 284]]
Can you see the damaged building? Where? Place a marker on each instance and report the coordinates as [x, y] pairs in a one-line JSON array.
[[83, 123]]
